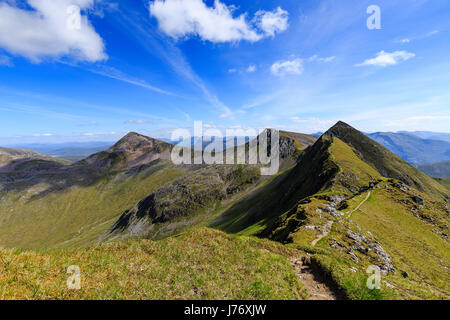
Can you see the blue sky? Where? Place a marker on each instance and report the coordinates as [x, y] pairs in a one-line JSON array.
[[153, 66]]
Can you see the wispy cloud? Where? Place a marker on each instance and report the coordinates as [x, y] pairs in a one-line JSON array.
[[262, 100], [115, 74], [153, 43], [89, 124], [384, 59], [138, 122], [42, 97], [423, 36], [44, 112], [316, 58]]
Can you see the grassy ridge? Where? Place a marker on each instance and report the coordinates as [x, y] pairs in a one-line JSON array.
[[410, 233], [200, 264]]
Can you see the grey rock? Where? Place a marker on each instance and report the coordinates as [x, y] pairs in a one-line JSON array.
[[418, 200]]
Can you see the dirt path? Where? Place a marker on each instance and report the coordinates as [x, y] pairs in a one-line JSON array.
[[325, 232], [327, 228], [359, 205], [312, 280]]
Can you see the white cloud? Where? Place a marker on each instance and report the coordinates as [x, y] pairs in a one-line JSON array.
[[272, 22], [232, 70], [319, 59], [406, 40], [180, 18], [251, 68], [384, 59], [45, 32], [288, 67], [43, 135]]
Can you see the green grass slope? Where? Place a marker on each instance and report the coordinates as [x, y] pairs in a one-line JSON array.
[[200, 264], [444, 182], [76, 215], [388, 230]]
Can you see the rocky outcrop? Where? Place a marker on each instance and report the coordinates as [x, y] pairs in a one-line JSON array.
[[183, 197]]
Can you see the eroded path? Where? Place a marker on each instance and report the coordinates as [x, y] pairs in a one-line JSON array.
[[313, 280], [311, 277], [327, 228], [326, 231]]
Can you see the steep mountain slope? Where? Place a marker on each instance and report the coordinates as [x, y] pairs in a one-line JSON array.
[[438, 170], [351, 203], [184, 202], [386, 163], [315, 173], [413, 149], [444, 182]]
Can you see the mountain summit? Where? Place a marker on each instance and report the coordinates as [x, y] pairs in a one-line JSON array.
[[132, 150], [384, 161]]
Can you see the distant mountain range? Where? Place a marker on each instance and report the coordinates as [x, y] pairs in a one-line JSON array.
[[73, 151], [429, 135], [412, 148]]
